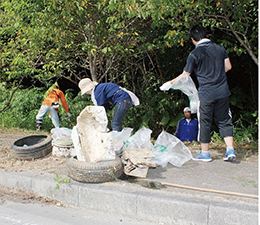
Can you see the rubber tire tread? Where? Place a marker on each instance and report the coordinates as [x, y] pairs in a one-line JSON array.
[[99, 172], [35, 151]]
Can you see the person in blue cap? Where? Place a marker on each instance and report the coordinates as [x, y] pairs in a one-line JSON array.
[[187, 129]]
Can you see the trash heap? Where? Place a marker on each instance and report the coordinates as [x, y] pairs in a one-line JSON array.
[[93, 143], [137, 153]]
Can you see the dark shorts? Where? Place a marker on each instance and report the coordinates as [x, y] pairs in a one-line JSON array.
[[219, 111]]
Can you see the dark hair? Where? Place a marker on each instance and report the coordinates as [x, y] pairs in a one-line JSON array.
[[197, 32]]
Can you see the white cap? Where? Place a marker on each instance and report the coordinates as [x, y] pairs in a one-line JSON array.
[[187, 109]]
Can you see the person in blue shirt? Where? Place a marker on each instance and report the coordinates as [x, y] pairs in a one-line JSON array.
[[187, 129], [103, 93]]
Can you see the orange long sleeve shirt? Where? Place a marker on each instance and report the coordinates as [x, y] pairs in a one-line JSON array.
[[52, 97]]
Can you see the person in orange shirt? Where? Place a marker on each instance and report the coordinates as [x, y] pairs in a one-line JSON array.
[[51, 105]]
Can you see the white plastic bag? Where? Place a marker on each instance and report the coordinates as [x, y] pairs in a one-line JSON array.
[[169, 148], [76, 144], [187, 86], [120, 138], [134, 98], [141, 139], [60, 132]]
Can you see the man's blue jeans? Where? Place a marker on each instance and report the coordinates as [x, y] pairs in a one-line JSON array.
[[120, 111]]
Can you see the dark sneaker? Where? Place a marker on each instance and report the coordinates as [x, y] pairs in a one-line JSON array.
[[230, 155], [38, 127], [201, 157]]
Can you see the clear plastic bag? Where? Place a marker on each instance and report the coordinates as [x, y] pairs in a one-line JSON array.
[[120, 138], [166, 86], [187, 86], [141, 139], [169, 148]]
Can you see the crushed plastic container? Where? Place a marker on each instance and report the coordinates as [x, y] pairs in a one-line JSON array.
[[62, 147]]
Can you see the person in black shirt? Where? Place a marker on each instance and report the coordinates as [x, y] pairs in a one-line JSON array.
[[210, 63]]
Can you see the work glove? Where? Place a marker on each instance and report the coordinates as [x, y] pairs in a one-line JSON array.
[[69, 115]]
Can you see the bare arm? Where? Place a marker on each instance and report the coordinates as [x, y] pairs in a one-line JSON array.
[[183, 73], [228, 65]]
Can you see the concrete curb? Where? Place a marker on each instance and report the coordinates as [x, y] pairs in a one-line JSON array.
[[145, 204]]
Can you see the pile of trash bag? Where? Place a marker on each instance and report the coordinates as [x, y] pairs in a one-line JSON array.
[[93, 143]]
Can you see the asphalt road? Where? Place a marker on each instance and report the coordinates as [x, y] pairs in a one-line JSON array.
[[14, 213]]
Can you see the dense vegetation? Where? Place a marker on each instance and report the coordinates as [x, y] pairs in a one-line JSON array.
[[137, 44]]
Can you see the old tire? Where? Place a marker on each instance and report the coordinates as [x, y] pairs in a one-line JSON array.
[[94, 172], [32, 147]]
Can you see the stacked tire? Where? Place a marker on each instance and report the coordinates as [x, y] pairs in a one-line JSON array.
[[98, 172]]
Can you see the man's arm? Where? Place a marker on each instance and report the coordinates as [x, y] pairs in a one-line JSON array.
[[228, 65], [177, 132], [63, 101]]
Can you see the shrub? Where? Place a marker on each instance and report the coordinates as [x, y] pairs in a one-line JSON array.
[[158, 111]]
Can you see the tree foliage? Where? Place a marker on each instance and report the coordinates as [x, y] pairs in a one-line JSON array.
[[135, 43], [237, 20], [95, 38]]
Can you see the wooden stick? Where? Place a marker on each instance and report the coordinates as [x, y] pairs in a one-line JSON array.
[[210, 190]]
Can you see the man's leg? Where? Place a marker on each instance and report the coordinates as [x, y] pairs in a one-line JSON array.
[[204, 147], [222, 118], [40, 115], [205, 114], [229, 141], [54, 116], [120, 111]]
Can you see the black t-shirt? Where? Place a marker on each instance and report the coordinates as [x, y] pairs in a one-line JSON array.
[[207, 61]]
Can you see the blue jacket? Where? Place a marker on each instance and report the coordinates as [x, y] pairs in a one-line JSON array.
[[109, 92], [187, 131]]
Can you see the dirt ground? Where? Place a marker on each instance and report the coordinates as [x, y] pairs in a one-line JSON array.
[[45, 165], [24, 197], [48, 164]]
